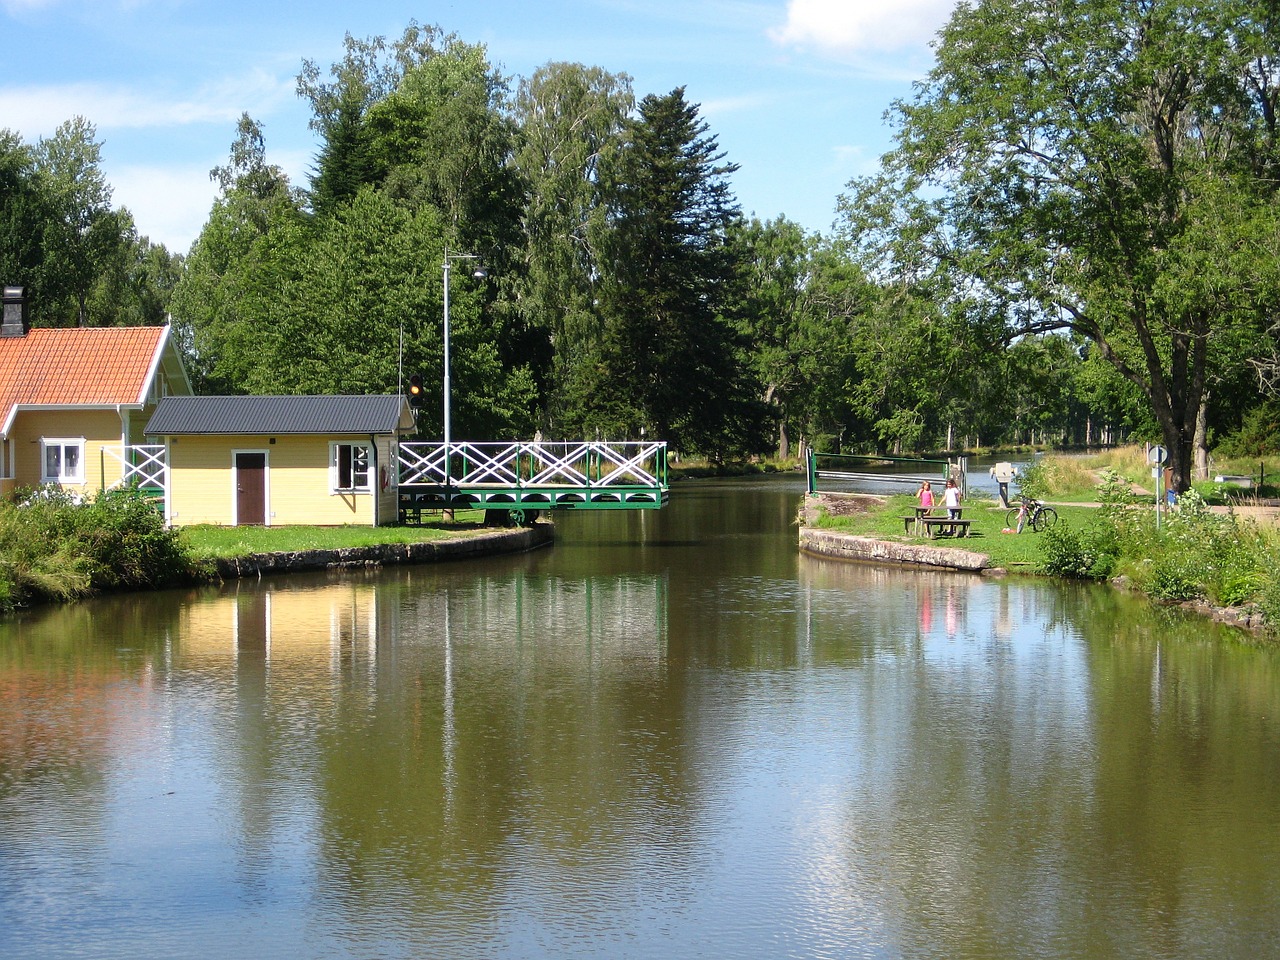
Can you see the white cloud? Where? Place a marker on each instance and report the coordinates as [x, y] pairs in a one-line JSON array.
[[37, 110], [169, 204], [862, 26]]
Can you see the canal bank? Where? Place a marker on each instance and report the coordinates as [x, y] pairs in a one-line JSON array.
[[840, 545], [484, 544]]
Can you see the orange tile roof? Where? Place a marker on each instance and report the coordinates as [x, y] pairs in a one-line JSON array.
[[77, 365]]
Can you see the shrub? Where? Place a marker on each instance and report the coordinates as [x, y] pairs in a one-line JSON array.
[[57, 548], [1257, 436], [1088, 554]]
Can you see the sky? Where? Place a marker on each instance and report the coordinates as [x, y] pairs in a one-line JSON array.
[[795, 91]]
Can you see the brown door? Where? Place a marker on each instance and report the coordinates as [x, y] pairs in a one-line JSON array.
[[251, 488]]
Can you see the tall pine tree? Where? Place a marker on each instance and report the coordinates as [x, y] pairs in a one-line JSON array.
[[670, 359]]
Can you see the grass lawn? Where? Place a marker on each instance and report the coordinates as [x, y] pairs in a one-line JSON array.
[[882, 519], [210, 541]]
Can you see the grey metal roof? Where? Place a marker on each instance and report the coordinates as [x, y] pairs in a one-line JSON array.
[[176, 416]]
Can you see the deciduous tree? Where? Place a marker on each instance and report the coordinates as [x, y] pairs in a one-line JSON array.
[[1067, 165]]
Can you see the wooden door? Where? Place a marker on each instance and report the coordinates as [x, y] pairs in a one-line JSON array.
[[251, 488]]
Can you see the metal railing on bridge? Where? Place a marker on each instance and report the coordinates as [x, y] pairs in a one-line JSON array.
[[525, 477], [860, 468]]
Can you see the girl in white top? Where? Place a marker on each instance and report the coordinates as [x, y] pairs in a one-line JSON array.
[[951, 498]]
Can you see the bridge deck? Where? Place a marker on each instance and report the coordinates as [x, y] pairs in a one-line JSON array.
[[527, 477]]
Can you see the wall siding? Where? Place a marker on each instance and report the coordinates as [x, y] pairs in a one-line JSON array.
[[201, 481], [98, 427]]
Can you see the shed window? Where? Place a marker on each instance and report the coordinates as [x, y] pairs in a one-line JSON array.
[[63, 461], [350, 467]]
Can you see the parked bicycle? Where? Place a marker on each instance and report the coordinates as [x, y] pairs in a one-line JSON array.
[[1030, 512]]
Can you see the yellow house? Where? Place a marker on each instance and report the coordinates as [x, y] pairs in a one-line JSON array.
[[277, 461], [75, 401]]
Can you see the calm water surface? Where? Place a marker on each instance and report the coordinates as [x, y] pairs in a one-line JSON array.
[[669, 736]]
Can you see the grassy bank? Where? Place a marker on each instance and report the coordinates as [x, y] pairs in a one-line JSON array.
[[882, 518], [206, 542], [1108, 529], [54, 548]]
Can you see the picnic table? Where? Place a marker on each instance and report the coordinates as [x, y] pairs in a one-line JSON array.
[[954, 526]]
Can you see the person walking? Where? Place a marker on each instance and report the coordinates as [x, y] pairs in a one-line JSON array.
[[951, 498]]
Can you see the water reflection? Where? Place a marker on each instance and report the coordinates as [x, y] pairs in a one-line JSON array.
[[701, 744]]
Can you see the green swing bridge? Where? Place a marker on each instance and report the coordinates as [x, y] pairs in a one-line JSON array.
[[525, 478]]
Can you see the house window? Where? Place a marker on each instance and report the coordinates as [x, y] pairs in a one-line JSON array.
[[63, 461], [349, 467]]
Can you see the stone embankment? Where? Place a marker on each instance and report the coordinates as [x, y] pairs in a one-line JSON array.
[[485, 544], [848, 546]]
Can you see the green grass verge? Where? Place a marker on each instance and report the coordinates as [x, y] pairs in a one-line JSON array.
[[1023, 552], [207, 542]]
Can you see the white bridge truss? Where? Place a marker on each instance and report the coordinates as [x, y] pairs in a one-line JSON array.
[[141, 465], [529, 476]]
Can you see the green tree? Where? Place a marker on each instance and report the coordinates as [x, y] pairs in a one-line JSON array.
[[82, 231], [23, 215], [775, 259], [238, 270], [671, 361], [1065, 167], [570, 117]]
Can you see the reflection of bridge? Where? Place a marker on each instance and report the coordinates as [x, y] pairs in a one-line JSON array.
[[524, 478]]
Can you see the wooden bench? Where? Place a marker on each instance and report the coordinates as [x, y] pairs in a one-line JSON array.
[[935, 525]]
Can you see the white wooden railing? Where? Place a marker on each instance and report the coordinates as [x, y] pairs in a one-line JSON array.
[[588, 464], [143, 465]]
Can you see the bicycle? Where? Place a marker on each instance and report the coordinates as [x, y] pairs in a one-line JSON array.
[[1032, 512]]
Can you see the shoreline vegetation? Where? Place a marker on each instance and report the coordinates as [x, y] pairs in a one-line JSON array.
[[54, 549], [1205, 553]]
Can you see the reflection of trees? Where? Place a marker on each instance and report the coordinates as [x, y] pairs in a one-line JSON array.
[[1077, 777], [1025, 770]]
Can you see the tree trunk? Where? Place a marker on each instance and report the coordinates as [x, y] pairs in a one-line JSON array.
[[1200, 444], [784, 442]]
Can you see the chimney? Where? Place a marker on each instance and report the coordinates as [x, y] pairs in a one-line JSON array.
[[15, 313]]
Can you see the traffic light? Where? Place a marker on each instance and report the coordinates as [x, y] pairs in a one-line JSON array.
[[415, 389]]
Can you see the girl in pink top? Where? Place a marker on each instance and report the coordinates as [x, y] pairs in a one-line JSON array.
[[925, 495]]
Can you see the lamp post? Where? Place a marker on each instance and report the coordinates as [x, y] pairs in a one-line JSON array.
[[478, 273]]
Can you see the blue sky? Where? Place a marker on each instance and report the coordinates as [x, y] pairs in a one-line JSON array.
[[795, 90]]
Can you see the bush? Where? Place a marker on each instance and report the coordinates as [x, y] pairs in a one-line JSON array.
[[53, 547], [1258, 434], [1089, 554], [1193, 554]]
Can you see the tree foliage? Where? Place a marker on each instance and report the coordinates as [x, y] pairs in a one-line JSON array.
[[670, 358], [1065, 167]]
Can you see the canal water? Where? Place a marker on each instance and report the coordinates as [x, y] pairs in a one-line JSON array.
[[668, 736]]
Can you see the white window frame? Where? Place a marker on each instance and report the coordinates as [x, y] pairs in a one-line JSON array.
[[335, 467], [46, 443]]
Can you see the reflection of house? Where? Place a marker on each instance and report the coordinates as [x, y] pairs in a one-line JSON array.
[[73, 400], [281, 460]]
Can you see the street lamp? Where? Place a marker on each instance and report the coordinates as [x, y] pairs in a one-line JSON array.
[[479, 273]]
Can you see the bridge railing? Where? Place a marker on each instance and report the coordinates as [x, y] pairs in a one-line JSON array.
[[140, 464], [587, 464], [874, 469]]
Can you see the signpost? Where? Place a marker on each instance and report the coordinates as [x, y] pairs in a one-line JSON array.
[[1158, 455]]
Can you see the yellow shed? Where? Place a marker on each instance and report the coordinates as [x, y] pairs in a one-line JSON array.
[[280, 461]]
